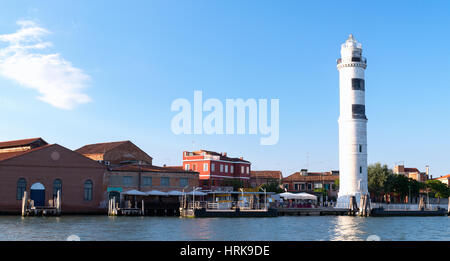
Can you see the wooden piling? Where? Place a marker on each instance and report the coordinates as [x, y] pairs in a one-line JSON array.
[[142, 208], [24, 203]]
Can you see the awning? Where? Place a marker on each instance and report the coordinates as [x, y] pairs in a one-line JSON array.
[[156, 193], [134, 193], [196, 193], [175, 193]]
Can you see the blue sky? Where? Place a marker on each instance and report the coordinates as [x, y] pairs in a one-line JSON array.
[[124, 62]]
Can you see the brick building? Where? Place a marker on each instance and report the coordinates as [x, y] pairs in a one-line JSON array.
[[130, 168], [42, 169], [116, 153], [260, 177], [217, 169], [413, 173], [305, 181]]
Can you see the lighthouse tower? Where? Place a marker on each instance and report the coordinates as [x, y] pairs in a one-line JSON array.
[[352, 123]]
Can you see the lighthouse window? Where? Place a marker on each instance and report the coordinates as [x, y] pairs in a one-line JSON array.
[[360, 169], [360, 148], [359, 111], [358, 84]]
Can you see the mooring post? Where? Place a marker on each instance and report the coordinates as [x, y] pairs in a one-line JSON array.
[[361, 205], [24, 203], [448, 207], [58, 202], [143, 209]]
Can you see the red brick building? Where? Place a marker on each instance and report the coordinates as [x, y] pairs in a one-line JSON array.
[[217, 169], [309, 182], [42, 169], [260, 177]]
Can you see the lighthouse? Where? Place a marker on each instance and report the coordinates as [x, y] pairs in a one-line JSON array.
[[352, 123]]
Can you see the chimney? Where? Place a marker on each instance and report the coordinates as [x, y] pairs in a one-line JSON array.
[[224, 154], [241, 158]]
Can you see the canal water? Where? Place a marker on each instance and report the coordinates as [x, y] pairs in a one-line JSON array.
[[224, 229]]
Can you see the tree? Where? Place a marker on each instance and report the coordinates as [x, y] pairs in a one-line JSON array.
[[438, 188], [273, 187], [377, 176]]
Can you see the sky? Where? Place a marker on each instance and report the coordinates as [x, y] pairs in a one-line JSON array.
[[82, 72]]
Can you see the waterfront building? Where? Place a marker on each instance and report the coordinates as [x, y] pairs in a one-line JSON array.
[[260, 177], [42, 170], [412, 173], [313, 182], [113, 153], [130, 168], [352, 123], [217, 169], [444, 179]]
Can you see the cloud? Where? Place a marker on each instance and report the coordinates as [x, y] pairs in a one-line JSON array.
[[22, 60]]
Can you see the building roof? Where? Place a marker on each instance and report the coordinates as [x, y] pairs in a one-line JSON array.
[[326, 176], [151, 168], [100, 148], [271, 174], [443, 177], [20, 143], [223, 156], [411, 170], [9, 155]]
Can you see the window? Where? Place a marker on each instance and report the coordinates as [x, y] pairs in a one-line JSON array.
[[88, 190], [183, 182], [317, 185], [205, 166], [303, 186], [309, 186], [226, 168], [221, 168], [359, 111], [187, 167], [360, 169], [21, 187], [242, 169], [194, 166], [213, 167], [248, 170], [165, 181], [232, 169], [358, 84], [57, 185], [360, 148], [127, 181], [146, 181]]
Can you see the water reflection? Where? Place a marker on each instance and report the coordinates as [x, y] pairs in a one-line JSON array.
[[347, 228]]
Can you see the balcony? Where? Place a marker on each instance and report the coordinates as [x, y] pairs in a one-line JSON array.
[[353, 60]]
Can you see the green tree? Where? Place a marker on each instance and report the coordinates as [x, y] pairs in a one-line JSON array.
[[377, 176], [273, 187], [439, 189]]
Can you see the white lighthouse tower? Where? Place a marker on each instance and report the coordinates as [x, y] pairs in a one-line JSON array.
[[352, 123]]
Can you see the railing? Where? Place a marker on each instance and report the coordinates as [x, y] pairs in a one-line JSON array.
[[408, 206], [226, 205]]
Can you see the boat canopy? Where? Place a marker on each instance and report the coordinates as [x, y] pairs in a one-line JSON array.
[[288, 195]]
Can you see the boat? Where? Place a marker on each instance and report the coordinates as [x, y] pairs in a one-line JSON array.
[[381, 212]]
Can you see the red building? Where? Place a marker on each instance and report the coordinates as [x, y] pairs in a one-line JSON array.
[[217, 169]]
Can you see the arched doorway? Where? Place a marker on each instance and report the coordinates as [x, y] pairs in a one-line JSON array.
[[37, 194]]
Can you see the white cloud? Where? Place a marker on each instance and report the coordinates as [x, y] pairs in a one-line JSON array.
[[22, 60]]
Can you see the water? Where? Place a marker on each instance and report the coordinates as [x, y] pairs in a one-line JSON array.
[[171, 228]]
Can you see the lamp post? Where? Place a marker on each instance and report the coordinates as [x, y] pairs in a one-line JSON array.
[[265, 197], [193, 196]]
